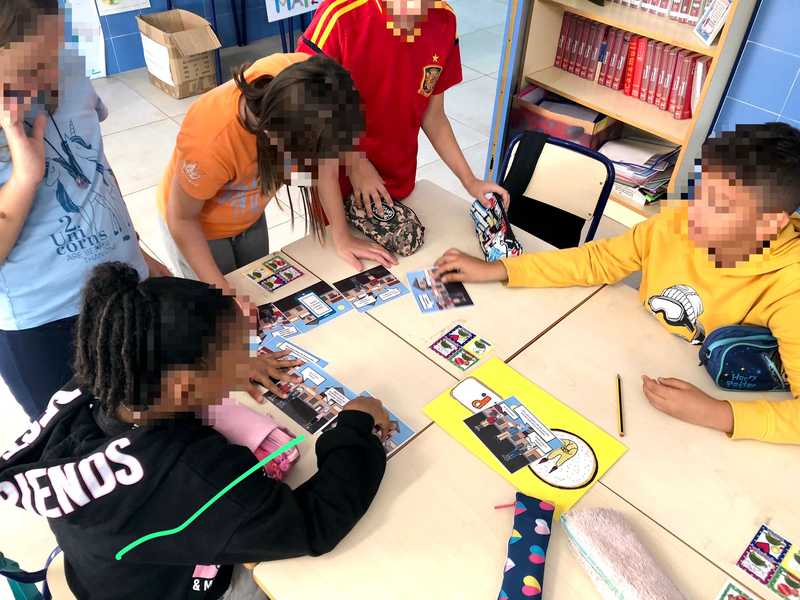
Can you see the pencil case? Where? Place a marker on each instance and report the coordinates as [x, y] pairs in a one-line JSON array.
[[257, 432], [616, 560], [493, 229]]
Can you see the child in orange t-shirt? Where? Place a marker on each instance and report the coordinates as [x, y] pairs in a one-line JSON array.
[[285, 119]]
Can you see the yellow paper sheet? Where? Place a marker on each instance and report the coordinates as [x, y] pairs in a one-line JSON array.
[[576, 472]]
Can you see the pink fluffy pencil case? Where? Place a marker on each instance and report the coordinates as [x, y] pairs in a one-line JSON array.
[[616, 560], [257, 432]]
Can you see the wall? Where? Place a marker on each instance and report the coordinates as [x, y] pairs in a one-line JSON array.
[[766, 82], [124, 45]]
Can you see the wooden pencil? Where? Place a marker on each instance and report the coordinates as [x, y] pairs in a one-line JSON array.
[[619, 407]]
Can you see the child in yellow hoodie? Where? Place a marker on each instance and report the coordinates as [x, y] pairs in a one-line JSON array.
[[730, 256]]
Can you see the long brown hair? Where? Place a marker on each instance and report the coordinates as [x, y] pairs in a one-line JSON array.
[[310, 111], [18, 18]]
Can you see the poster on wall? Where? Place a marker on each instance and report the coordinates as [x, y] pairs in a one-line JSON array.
[[277, 10], [84, 24], [113, 7]]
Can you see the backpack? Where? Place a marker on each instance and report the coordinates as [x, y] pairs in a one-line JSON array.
[[744, 358]]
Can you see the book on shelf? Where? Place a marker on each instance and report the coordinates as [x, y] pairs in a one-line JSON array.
[[700, 73], [566, 23], [648, 63], [638, 68], [650, 97], [630, 63], [616, 83], [669, 74]]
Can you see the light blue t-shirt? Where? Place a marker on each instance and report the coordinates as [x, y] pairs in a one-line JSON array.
[[78, 218]]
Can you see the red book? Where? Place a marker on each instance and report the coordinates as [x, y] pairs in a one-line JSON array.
[[655, 70], [700, 73], [675, 10], [566, 23], [623, 55], [694, 11], [586, 49], [613, 36], [630, 62], [641, 54], [663, 8], [681, 68], [648, 64], [582, 43], [683, 105], [664, 88], [591, 71], [683, 16], [601, 55], [577, 33]]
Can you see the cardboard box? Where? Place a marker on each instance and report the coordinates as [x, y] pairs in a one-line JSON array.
[[179, 52], [526, 114]]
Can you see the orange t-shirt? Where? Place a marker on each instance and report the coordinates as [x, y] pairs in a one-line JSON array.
[[215, 157]]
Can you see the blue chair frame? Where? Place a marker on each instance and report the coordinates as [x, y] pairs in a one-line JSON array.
[[605, 192], [34, 577]]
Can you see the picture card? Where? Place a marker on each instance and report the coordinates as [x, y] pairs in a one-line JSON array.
[[757, 564], [463, 359], [770, 543], [313, 403], [272, 322], [516, 437], [371, 288], [278, 344], [432, 295], [785, 584], [274, 272], [733, 591], [474, 395], [313, 306], [401, 433], [791, 562]]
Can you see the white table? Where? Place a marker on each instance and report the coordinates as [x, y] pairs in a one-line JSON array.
[[508, 318], [710, 492], [432, 532]]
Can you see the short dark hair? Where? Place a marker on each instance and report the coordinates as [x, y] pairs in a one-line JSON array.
[[314, 109], [765, 155], [18, 18], [129, 332]]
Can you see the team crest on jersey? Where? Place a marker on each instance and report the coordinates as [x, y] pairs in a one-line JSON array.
[[430, 75]]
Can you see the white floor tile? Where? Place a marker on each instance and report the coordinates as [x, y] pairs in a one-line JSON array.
[[480, 50], [472, 103], [473, 15], [126, 108], [139, 81], [469, 74], [139, 156], [143, 209], [178, 119], [441, 175], [465, 137]]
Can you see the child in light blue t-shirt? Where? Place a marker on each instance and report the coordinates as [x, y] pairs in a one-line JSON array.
[[61, 210]]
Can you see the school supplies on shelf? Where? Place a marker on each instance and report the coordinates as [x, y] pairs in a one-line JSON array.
[[543, 447], [642, 165]]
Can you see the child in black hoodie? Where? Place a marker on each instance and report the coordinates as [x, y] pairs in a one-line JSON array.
[[120, 453]]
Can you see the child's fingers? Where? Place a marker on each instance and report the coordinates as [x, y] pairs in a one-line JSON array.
[[385, 194], [672, 382], [39, 125]]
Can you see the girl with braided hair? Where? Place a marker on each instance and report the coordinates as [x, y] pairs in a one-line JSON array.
[[121, 451]]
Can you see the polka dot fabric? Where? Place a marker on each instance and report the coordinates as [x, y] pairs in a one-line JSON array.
[[527, 549]]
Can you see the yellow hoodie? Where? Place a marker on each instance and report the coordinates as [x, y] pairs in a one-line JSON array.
[[691, 297]]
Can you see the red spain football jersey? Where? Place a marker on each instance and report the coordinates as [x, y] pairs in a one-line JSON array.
[[394, 71]]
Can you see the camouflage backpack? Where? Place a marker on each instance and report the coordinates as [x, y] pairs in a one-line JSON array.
[[399, 230]]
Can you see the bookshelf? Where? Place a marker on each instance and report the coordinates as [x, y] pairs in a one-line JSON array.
[[529, 58]]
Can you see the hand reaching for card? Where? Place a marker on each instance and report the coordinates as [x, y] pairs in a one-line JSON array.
[[375, 409], [454, 265], [271, 369]]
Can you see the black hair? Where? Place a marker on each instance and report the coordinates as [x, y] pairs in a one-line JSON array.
[[18, 18], [766, 155], [129, 332], [313, 110]]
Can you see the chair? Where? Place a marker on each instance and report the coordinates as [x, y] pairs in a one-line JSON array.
[[53, 576], [558, 189]]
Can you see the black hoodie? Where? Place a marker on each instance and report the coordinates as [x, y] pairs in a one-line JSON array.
[[103, 484]]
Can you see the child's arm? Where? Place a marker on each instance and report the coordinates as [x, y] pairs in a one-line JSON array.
[[350, 248], [598, 262], [437, 127], [18, 193], [183, 220]]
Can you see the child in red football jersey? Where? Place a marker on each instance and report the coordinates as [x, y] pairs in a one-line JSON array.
[[402, 56]]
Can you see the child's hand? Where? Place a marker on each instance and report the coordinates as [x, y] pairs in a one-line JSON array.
[[269, 368], [27, 153], [479, 189], [454, 265], [375, 409], [352, 249], [686, 402], [368, 187]]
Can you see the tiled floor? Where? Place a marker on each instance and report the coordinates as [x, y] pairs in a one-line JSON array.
[[139, 136]]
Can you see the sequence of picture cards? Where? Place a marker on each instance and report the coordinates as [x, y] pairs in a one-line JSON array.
[[772, 560]]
